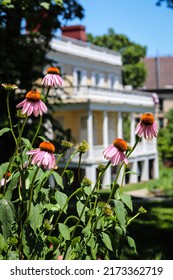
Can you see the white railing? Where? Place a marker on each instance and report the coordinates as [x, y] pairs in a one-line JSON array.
[[142, 150], [132, 97]]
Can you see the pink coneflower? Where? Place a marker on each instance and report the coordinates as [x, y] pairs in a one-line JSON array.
[[44, 155], [115, 152], [32, 104], [52, 78], [147, 127]]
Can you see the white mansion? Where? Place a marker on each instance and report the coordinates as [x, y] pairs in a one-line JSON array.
[[97, 105]]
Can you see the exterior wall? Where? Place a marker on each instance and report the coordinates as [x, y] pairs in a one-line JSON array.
[[167, 105]]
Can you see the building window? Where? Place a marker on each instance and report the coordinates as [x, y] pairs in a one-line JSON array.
[[80, 77], [113, 81], [97, 79]]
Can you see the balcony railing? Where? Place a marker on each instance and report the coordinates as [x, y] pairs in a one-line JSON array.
[[133, 97], [142, 150]]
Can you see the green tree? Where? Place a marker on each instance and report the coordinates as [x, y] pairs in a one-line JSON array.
[[165, 139], [133, 71], [26, 28], [169, 3]]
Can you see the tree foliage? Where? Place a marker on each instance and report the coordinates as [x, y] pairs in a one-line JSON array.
[[26, 28], [133, 71], [165, 139], [168, 2]]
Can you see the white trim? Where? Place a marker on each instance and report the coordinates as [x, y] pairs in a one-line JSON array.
[[85, 52]]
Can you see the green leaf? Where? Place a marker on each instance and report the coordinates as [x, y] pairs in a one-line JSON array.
[[2, 242], [121, 213], [36, 217], [3, 169], [64, 230], [106, 240], [59, 2], [12, 185], [7, 215], [61, 199], [53, 240], [45, 5], [80, 207], [70, 176], [12, 255], [131, 243], [87, 230], [4, 130], [52, 207], [58, 179], [27, 143], [126, 199]]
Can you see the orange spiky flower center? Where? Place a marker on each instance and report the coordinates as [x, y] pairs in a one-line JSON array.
[[7, 175], [147, 119], [53, 70], [120, 144], [33, 95], [47, 147]]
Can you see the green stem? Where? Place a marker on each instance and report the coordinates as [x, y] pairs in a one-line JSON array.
[[37, 131], [70, 158], [89, 196], [79, 165], [31, 195], [9, 116], [130, 220], [47, 93]]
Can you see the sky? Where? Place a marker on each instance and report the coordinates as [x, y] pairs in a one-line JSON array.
[[141, 21]]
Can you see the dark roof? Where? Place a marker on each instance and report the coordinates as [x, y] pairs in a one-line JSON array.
[[160, 72]]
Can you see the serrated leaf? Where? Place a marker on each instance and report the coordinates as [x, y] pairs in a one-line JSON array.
[[7, 215], [64, 230], [126, 199], [4, 130], [121, 213], [106, 240], [61, 199], [58, 179]]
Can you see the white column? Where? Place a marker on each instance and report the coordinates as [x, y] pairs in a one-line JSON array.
[[120, 125], [132, 130], [145, 170], [90, 133], [90, 173], [134, 168], [105, 129], [107, 178], [156, 167]]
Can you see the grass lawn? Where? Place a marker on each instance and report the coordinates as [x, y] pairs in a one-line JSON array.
[[153, 232]]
